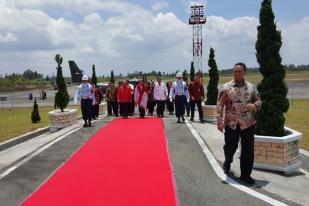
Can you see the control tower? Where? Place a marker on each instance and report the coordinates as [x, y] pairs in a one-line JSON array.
[[197, 19]]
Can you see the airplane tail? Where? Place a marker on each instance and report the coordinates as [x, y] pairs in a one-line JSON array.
[[76, 73]]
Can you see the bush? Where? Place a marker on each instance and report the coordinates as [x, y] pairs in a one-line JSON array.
[[192, 72], [62, 97], [112, 79], [212, 87], [35, 115], [273, 90], [94, 79]]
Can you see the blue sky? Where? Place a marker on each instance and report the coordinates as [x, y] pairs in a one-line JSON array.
[[133, 35], [287, 11]]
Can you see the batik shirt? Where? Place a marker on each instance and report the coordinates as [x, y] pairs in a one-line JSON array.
[[233, 98]]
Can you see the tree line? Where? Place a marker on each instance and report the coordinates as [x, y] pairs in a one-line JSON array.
[[288, 68], [34, 75], [27, 74]]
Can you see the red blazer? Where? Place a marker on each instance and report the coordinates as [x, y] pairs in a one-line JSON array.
[[196, 90], [124, 94]]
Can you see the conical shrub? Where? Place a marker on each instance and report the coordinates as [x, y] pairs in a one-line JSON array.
[[35, 115], [273, 89]]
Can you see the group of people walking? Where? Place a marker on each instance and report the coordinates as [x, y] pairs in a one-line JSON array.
[[122, 99], [146, 96], [237, 102]]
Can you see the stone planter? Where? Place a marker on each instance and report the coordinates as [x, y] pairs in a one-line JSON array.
[[210, 113], [60, 119], [278, 153], [102, 108]]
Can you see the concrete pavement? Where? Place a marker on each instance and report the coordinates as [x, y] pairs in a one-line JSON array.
[[292, 188], [196, 182], [24, 179]]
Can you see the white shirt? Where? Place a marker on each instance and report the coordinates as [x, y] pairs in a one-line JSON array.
[[179, 87], [132, 88], [84, 91], [160, 91]]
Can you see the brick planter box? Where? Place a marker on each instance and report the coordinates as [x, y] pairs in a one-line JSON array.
[[210, 113], [60, 119], [277, 153], [102, 108]]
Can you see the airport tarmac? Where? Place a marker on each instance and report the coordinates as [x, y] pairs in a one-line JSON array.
[[298, 89]]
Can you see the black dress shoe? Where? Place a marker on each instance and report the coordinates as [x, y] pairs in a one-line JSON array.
[[85, 125], [249, 180], [226, 167], [183, 119], [178, 121]]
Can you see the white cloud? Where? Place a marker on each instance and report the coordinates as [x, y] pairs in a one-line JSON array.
[[160, 6], [295, 38], [233, 40], [130, 38], [8, 37], [74, 6]]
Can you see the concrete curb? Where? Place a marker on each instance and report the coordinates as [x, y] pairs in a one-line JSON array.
[[304, 152], [25, 137], [22, 138]]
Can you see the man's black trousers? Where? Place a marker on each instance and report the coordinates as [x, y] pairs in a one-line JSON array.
[[112, 107], [231, 138], [150, 106], [160, 107], [199, 107], [124, 108], [86, 106]]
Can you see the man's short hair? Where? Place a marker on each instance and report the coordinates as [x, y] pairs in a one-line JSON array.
[[241, 64]]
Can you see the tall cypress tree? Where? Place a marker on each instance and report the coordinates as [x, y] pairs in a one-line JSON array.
[[273, 90], [35, 115], [94, 79], [112, 80], [192, 71], [62, 97], [212, 87], [185, 75]]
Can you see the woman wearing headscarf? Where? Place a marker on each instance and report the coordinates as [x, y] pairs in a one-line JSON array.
[[141, 97]]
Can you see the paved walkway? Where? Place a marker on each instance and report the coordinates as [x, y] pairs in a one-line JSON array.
[[293, 187], [195, 179]]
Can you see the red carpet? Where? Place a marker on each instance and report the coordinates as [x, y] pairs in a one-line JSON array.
[[125, 163]]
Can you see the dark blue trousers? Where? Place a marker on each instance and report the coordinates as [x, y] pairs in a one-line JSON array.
[[180, 101], [86, 106]]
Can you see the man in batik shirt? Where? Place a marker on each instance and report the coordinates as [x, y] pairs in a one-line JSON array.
[[241, 100]]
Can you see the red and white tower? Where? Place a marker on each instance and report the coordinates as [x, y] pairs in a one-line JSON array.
[[197, 19]]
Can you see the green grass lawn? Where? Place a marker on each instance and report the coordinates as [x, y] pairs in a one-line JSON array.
[[297, 118], [17, 122], [251, 77]]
